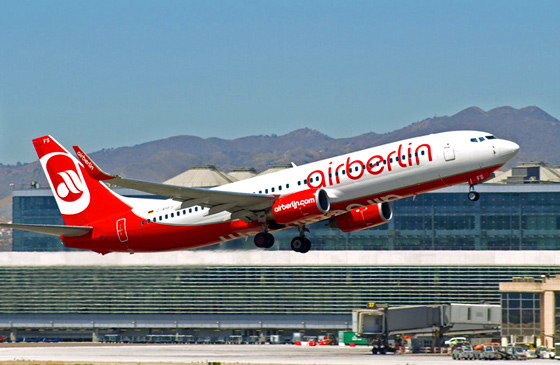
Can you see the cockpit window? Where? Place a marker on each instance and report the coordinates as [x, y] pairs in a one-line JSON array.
[[481, 139], [490, 137], [474, 140]]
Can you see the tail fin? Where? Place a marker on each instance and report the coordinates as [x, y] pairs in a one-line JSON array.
[[81, 199]]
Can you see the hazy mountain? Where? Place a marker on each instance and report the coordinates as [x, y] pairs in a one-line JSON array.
[[532, 128]]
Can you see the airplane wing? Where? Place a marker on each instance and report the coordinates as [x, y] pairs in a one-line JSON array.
[[241, 205], [53, 230]]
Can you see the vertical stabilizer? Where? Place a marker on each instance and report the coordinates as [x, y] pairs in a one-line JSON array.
[[81, 199]]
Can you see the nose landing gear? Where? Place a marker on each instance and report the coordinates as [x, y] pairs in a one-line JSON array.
[[473, 195]]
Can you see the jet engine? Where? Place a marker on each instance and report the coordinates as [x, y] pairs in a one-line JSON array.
[[363, 218], [300, 207]]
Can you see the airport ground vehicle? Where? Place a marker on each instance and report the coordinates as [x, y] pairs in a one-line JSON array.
[[463, 352], [544, 353], [512, 352], [455, 341], [487, 352]]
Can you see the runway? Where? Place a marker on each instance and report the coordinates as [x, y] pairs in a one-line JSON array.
[[224, 354]]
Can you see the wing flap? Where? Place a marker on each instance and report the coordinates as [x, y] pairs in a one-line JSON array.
[[53, 230]]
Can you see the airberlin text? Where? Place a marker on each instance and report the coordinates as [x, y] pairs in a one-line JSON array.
[[294, 204], [85, 160], [375, 165]]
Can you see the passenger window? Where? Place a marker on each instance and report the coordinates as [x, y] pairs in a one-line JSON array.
[[272, 190], [299, 183], [178, 213], [166, 216], [279, 187], [143, 222], [287, 186], [190, 210], [196, 209], [260, 191], [266, 191], [305, 181], [160, 218], [184, 212], [172, 215]]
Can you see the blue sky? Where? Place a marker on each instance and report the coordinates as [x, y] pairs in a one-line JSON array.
[[105, 74]]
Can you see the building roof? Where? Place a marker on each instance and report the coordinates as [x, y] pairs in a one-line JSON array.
[[275, 168], [531, 172], [242, 173], [287, 258], [206, 176]]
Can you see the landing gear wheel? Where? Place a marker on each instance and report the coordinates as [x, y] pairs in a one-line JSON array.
[[264, 240], [301, 244], [473, 196]]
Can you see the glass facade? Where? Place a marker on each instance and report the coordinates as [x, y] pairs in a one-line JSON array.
[[519, 217], [521, 314]]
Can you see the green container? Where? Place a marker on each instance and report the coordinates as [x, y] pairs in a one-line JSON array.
[[348, 337]]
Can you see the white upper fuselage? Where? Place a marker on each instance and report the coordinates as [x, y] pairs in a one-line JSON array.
[[383, 173]]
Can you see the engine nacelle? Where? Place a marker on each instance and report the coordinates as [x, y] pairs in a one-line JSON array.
[[363, 218], [300, 206]]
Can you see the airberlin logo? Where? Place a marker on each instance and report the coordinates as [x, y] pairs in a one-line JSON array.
[[67, 182], [71, 186], [403, 157], [295, 204]]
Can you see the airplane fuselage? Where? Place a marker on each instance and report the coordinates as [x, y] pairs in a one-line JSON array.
[[357, 179]]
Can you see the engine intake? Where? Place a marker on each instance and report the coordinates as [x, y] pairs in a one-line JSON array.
[[363, 218], [300, 206]]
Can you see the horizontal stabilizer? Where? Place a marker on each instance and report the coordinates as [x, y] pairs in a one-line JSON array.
[[53, 230]]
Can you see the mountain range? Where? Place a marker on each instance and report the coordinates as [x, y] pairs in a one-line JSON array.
[[532, 128]]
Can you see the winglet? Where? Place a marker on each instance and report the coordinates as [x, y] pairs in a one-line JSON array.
[[92, 169]]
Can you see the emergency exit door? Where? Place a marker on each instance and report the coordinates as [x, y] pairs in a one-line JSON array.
[[121, 230]]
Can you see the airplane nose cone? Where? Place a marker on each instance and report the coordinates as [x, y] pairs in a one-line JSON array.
[[508, 150]]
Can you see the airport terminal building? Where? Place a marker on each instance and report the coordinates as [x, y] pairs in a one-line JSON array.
[[439, 248]]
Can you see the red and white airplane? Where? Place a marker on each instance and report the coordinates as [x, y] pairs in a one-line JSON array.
[[352, 191]]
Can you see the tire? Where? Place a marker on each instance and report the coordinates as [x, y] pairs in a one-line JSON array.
[[473, 196], [270, 241], [306, 245], [262, 240], [297, 244]]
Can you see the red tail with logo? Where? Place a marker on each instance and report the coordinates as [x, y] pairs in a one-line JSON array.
[[81, 199]]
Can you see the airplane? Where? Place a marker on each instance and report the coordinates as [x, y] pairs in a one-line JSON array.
[[351, 191]]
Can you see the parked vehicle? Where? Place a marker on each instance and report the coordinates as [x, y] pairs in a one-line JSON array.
[[514, 352], [455, 341], [544, 353], [464, 352], [488, 352]]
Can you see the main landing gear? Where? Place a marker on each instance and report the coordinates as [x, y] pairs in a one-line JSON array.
[[299, 244], [473, 195], [264, 240]]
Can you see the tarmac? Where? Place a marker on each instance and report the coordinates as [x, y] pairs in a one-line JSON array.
[[52, 354]]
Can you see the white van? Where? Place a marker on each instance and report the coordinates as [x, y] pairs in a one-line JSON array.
[[455, 341]]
